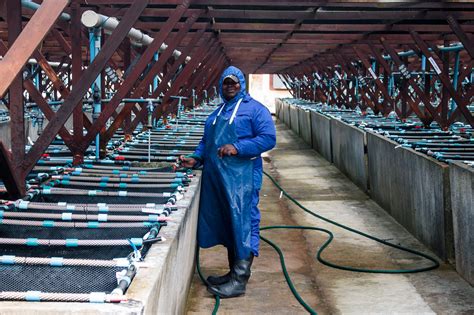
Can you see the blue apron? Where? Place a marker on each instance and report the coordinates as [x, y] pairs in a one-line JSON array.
[[226, 192]]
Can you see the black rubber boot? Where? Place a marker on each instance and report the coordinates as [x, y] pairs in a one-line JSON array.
[[239, 276], [217, 280]]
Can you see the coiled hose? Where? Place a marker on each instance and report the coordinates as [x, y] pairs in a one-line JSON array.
[[434, 265]]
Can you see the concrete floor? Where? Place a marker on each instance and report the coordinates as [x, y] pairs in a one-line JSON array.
[[319, 186]]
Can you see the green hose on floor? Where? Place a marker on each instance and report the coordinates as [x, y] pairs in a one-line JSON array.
[[323, 247], [218, 299]]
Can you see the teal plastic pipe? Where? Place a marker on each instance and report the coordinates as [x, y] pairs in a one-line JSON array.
[[457, 47], [455, 81]]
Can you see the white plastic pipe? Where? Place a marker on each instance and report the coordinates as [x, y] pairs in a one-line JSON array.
[[92, 19], [33, 61]]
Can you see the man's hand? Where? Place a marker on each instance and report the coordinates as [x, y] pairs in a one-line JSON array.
[[226, 150], [187, 162]]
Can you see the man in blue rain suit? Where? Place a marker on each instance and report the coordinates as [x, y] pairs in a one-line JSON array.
[[235, 135]]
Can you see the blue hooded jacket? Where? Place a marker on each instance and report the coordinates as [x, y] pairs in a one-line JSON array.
[[253, 122]]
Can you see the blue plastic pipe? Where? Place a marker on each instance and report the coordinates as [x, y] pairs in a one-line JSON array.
[[155, 80], [455, 81], [94, 46], [409, 53], [36, 81]]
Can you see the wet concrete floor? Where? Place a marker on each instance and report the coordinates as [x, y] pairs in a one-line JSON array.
[[319, 186]]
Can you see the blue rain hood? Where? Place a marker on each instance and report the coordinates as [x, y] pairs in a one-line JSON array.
[[240, 75]]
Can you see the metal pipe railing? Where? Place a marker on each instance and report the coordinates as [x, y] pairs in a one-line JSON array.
[[92, 19], [456, 47]]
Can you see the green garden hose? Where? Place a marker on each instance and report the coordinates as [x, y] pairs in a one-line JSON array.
[[323, 247], [218, 299]]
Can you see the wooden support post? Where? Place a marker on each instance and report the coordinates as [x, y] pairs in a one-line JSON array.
[[349, 99], [13, 180], [132, 77], [351, 90], [404, 91], [127, 60], [214, 72], [432, 111], [319, 91], [180, 81], [57, 82], [213, 58], [33, 34], [365, 92], [325, 83], [466, 42], [212, 55], [166, 78], [49, 113], [166, 57], [285, 83], [76, 50], [60, 38], [444, 91], [17, 120], [427, 82], [84, 84], [390, 102], [461, 100]]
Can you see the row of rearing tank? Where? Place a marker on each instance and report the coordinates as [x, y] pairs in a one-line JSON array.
[[82, 232], [422, 176]]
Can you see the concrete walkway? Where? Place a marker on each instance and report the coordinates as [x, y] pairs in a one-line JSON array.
[[319, 186]]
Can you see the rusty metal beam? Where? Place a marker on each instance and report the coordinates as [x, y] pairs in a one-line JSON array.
[[310, 3], [128, 84], [344, 15], [288, 36], [444, 77], [185, 74], [157, 67], [127, 60], [13, 180], [76, 51], [43, 105], [32, 35], [167, 78], [387, 98], [211, 56], [81, 88], [336, 27], [426, 101], [212, 71], [467, 43], [17, 116], [351, 99], [57, 83], [403, 113], [63, 41], [49, 113], [196, 58]]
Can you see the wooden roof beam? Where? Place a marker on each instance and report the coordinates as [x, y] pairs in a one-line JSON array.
[[306, 27], [31, 36], [344, 15], [302, 3]]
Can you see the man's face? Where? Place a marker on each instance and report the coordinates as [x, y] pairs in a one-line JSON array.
[[230, 88]]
